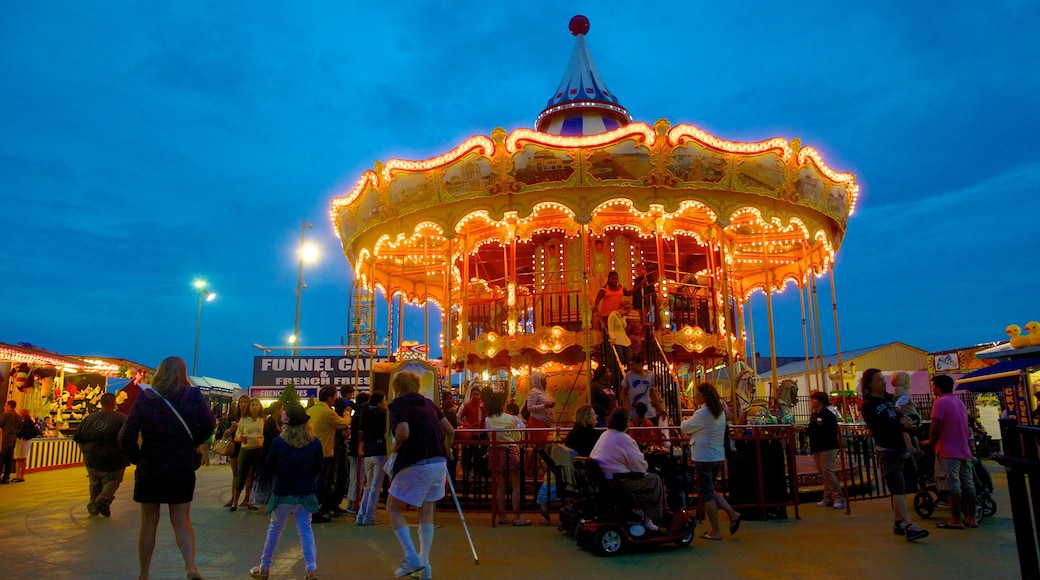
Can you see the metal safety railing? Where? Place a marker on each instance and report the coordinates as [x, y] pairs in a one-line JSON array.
[[760, 475]]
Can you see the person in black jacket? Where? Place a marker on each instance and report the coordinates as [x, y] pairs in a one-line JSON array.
[[823, 441], [98, 436], [886, 425], [372, 426]]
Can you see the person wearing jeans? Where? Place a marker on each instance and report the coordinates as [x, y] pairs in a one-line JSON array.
[[823, 441], [373, 444]]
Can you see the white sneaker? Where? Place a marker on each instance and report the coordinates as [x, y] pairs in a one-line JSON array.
[[839, 505], [825, 503], [408, 567]]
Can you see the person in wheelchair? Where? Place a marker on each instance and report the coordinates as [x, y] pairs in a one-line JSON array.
[[622, 462]]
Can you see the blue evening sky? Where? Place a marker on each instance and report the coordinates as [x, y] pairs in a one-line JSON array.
[[145, 144]]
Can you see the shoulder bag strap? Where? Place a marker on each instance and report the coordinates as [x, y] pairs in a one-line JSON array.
[[172, 408]]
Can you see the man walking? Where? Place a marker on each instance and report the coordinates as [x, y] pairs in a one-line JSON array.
[[98, 437], [325, 423], [951, 440], [823, 441], [10, 422], [423, 437]]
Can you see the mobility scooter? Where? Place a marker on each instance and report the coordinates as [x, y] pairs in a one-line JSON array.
[[606, 519]]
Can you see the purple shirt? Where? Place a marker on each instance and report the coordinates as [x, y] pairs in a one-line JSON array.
[[425, 436], [954, 435]]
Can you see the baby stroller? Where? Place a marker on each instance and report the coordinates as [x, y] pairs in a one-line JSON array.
[[928, 496]]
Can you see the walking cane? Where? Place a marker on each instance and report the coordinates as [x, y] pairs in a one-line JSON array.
[[476, 561]]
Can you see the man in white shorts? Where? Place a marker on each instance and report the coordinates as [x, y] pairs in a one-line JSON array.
[[423, 439]]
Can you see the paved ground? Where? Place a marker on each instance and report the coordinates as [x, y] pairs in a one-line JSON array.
[[45, 532]]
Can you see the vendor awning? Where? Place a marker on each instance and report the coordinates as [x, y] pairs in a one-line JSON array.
[[996, 377]]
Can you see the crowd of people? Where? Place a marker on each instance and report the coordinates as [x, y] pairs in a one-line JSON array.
[[307, 462]]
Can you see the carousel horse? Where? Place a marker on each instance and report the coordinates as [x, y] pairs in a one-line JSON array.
[[746, 386], [787, 398]]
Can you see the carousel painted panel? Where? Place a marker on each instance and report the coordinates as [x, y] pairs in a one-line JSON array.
[[766, 171], [411, 192], [536, 165], [695, 163], [470, 176], [366, 211], [625, 161]]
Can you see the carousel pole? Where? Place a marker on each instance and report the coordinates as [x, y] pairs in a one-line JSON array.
[[772, 332], [426, 300], [727, 318], [820, 379], [586, 312], [805, 341], [837, 338], [464, 314], [446, 313], [815, 302], [389, 315], [751, 335]]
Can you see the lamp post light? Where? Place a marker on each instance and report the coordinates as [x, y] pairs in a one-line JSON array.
[[204, 294], [307, 253]]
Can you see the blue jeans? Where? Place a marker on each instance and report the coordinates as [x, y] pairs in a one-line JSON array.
[[279, 517], [373, 482]]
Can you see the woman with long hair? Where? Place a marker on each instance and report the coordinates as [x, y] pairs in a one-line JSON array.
[[251, 435], [167, 423], [707, 431], [295, 460], [240, 409]]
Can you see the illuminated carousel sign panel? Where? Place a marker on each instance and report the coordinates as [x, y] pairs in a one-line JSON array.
[[312, 372]]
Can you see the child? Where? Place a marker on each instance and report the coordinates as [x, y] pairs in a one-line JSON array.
[[514, 410], [901, 382], [295, 460], [645, 438]]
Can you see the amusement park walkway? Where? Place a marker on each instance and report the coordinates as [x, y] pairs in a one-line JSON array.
[[45, 532]]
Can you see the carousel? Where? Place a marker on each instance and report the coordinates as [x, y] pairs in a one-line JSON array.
[[512, 236]]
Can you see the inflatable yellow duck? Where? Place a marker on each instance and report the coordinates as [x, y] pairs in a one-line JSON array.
[[1034, 333], [1015, 332]]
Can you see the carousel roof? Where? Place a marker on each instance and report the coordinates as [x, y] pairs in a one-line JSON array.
[[582, 104]]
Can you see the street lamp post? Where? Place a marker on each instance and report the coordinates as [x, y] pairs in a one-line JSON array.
[[307, 252], [204, 294]]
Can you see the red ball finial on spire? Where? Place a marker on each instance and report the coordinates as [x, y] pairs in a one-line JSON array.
[[579, 25]]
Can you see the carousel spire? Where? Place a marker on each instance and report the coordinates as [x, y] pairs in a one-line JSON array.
[[582, 104]]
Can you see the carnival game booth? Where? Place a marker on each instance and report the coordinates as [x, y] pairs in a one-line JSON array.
[[58, 390], [513, 234], [1015, 380]]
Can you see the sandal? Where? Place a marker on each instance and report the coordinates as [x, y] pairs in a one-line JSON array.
[[521, 522], [708, 536], [229, 504], [505, 521], [949, 526], [545, 515], [232, 508]]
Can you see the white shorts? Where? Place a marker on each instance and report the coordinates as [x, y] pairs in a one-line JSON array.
[[418, 484], [22, 448]]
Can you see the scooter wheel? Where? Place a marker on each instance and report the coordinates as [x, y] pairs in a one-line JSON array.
[[687, 538], [924, 505], [609, 541], [989, 506]]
